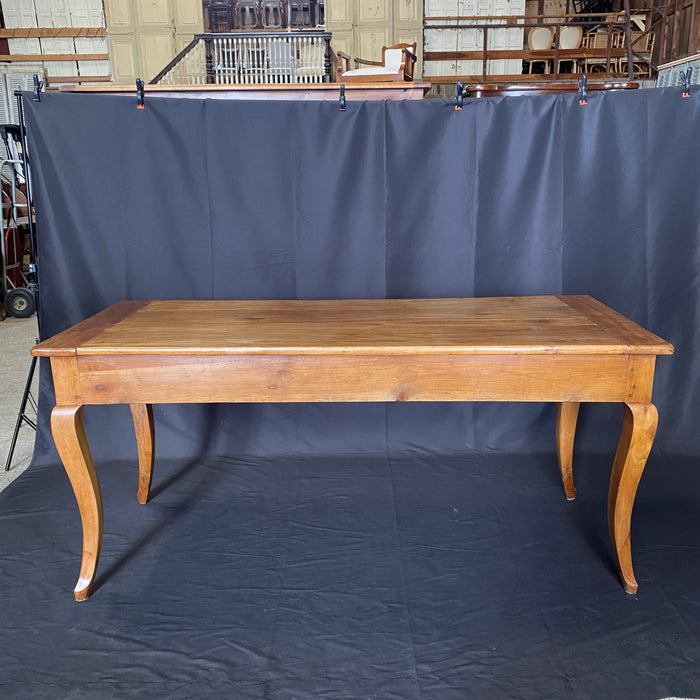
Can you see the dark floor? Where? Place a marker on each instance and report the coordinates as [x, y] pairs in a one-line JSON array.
[[425, 576]]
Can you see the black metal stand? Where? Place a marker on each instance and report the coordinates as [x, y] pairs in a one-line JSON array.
[[22, 417], [33, 286]]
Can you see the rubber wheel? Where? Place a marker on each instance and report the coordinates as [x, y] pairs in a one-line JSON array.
[[20, 303]]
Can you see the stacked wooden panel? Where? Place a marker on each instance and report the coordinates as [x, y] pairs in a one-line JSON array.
[[447, 39], [61, 31]]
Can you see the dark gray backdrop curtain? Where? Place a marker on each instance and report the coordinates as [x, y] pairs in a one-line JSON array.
[[216, 199], [416, 565]]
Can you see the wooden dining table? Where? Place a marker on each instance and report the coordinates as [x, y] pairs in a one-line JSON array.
[[562, 349]]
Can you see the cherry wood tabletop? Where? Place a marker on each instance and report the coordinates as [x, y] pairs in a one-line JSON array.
[[563, 349], [474, 326]]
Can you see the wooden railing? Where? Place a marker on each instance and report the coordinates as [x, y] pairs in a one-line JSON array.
[[679, 29], [615, 58], [256, 57]]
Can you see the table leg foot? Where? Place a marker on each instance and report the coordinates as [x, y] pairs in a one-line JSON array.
[[71, 443], [142, 414], [638, 431], [567, 414]]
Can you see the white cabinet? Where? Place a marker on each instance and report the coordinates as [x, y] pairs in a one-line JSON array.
[[447, 39], [145, 35], [48, 14]]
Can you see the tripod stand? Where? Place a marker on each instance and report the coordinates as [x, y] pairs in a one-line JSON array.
[[33, 285], [22, 416]]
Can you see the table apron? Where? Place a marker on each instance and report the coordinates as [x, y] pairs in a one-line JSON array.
[[251, 378]]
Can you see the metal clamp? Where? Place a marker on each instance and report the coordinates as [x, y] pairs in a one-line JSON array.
[[343, 105], [38, 85], [686, 81], [582, 92], [139, 94], [460, 97]]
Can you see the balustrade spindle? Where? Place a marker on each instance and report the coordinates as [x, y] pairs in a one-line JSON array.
[[305, 50], [222, 61], [246, 58]]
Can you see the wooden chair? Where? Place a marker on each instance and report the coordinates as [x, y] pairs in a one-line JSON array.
[[396, 64], [245, 14], [599, 40], [643, 47], [220, 16], [540, 39], [570, 37], [311, 63], [300, 13], [282, 61], [271, 13]]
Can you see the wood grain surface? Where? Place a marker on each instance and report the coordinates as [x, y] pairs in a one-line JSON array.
[[497, 325]]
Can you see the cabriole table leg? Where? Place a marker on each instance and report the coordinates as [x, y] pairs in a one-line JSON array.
[[638, 431], [145, 439], [567, 414], [69, 436]]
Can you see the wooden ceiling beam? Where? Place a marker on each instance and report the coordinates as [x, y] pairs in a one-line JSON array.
[[39, 57], [52, 32]]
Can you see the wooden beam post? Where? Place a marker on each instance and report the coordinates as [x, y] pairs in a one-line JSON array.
[[628, 41]]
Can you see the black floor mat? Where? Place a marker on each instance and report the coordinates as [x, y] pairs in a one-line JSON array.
[[420, 576]]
